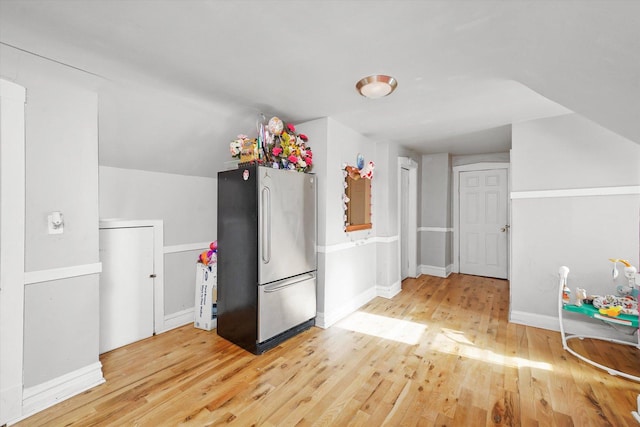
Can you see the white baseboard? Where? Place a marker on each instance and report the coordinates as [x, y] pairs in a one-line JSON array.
[[10, 403], [175, 320], [389, 291], [536, 320], [42, 396], [436, 271], [583, 326], [324, 320]]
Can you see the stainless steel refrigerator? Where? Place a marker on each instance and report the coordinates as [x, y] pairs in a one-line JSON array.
[[267, 234]]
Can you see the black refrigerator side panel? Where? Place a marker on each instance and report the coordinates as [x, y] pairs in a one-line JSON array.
[[238, 257]]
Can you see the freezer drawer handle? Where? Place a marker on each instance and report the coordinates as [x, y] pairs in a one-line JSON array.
[[286, 283], [266, 225]]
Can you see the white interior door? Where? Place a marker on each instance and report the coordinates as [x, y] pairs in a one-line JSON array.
[[404, 223], [483, 223], [126, 286]]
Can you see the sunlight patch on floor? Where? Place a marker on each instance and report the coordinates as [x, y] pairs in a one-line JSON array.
[[455, 342], [383, 327]]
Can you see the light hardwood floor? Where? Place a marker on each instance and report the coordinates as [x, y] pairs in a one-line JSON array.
[[441, 353]]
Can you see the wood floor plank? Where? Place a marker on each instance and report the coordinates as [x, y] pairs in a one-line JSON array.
[[441, 352]]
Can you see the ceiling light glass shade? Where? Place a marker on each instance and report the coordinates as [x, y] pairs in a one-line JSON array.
[[376, 86]]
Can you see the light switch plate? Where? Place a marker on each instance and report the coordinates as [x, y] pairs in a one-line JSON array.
[[52, 228]]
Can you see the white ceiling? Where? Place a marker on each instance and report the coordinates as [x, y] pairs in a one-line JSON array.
[[466, 70]]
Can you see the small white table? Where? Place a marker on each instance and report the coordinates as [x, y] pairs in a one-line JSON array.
[[591, 311]]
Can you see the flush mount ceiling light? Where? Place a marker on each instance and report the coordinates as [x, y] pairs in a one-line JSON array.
[[376, 86]]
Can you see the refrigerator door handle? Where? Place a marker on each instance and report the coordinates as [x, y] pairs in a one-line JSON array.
[[266, 225], [288, 282]]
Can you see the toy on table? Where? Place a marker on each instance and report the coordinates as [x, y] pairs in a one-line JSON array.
[[613, 311], [581, 295], [630, 273], [625, 305], [566, 292]]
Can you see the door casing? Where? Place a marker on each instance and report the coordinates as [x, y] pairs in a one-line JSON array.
[[412, 226], [12, 226]]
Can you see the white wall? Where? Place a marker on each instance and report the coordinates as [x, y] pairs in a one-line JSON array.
[[435, 231], [345, 277], [552, 225], [384, 195], [138, 122], [62, 158], [187, 205], [61, 270]]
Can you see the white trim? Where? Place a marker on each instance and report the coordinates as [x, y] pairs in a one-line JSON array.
[[31, 277], [436, 229], [158, 262], [481, 166], [577, 192], [186, 247], [387, 239], [455, 267], [344, 246], [11, 404], [181, 318], [12, 212], [348, 245], [411, 165], [573, 326], [389, 291], [324, 320], [126, 223], [432, 270], [12, 91], [49, 393]]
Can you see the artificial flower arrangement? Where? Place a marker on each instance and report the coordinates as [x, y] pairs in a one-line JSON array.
[[243, 147], [356, 173], [277, 145], [210, 256]]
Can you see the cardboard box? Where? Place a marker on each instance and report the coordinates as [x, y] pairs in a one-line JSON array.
[[206, 308]]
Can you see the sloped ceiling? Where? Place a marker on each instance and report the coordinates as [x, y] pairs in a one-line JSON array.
[[466, 70]]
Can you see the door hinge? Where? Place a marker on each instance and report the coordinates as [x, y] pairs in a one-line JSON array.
[[152, 276]]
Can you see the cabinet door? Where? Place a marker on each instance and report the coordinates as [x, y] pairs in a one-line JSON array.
[[126, 286]]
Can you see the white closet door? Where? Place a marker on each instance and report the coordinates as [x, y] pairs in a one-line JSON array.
[[126, 286], [404, 223]]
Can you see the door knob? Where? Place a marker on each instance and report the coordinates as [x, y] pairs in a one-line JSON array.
[[505, 228]]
